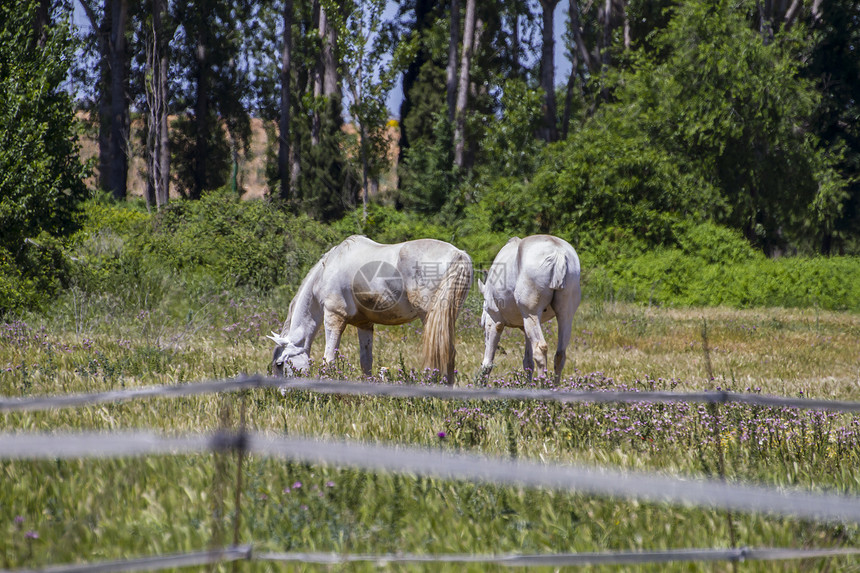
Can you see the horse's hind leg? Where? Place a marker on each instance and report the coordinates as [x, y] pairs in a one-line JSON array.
[[528, 356], [535, 340], [334, 325], [365, 346], [565, 326], [564, 304]]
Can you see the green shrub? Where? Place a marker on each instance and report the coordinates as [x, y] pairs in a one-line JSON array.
[[599, 179], [193, 250], [12, 289], [197, 249], [670, 277], [388, 225], [714, 243], [248, 244]]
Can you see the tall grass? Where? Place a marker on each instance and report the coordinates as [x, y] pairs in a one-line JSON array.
[[77, 511]]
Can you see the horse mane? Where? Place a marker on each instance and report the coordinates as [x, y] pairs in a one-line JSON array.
[[312, 275], [310, 278]]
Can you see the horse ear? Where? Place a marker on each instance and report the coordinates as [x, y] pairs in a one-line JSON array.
[[277, 339]]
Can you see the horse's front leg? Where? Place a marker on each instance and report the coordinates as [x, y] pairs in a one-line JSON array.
[[492, 334], [334, 326], [365, 348]]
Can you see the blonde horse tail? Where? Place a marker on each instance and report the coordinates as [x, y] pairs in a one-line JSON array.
[[439, 332], [558, 264]]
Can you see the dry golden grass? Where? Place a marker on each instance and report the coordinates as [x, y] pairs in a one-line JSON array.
[[781, 351]]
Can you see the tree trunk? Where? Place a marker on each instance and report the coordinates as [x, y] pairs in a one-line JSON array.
[[792, 12], [627, 39], [103, 27], [549, 131], [41, 23], [515, 44], [162, 195], [201, 114], [568, 96], [451, 72], [319, 73], [364, 170], [816, 10], [607, 33], [158, 143], [463, 84], [585, 57], [765, 11], [331, 78], [118, 169], [284, 124]]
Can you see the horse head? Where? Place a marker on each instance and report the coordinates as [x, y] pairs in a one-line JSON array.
[[287, 353]]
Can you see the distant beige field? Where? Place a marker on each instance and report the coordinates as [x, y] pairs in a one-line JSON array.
[[252, 165]]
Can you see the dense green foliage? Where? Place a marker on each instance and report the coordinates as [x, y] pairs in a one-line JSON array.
[[711, 121], [40, 172], [198, 249], [705, 126]]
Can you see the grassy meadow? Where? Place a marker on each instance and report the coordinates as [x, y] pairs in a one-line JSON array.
[[86, 510]]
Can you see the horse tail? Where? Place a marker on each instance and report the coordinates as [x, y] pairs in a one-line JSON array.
[[438, 346], [558, 266]]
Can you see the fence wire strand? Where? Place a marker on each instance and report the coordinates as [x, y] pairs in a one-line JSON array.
[[245, 553], [239, 383], [154, 563], [709, 493]]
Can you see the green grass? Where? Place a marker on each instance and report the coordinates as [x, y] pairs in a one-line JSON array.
[[88, 510]]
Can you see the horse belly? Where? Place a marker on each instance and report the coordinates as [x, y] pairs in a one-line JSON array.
[[392, 316]]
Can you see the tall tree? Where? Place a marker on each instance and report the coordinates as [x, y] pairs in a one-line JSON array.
[[549, 130], [210, 54], [157, 102], [417, 18], [284, 138], [327, 85], [451, 70], [370, 79], [705, 102], [111, 26], [463, 84], [42, 181], [834, 66]]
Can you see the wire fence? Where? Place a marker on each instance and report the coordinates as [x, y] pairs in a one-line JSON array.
[[649, 486], [249, 382]]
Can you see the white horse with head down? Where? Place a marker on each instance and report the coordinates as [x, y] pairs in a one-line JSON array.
[[530, 281], [362, 283]]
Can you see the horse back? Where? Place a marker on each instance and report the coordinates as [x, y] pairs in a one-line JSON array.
[[546, 263]]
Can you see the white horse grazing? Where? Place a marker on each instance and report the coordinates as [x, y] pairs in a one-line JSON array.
[[530, 281], [361, 282]]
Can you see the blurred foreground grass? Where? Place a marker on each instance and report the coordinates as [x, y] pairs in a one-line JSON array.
[[79, 511]]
